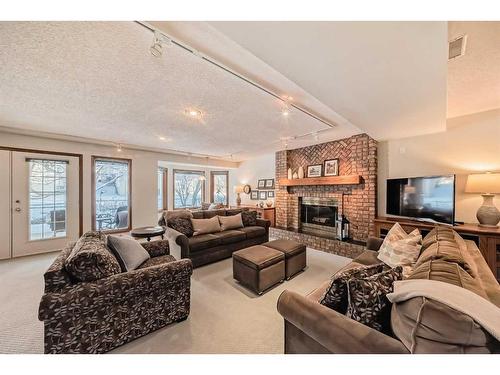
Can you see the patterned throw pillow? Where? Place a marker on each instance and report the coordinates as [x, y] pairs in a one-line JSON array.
[[90, 258], [335, 296], [400, 248], [368, 303], [182, 225], [249, 218]]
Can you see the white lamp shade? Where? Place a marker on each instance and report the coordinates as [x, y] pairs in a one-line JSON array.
[[483, 183], [238, 188]]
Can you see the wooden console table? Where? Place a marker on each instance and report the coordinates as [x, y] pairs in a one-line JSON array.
[[487, 239], [268, 213]]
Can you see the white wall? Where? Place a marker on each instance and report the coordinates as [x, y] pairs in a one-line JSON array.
[[144, 171], [470, 144], [249, 172]]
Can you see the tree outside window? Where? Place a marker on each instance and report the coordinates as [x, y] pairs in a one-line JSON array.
[[188, 188], [219, 187]]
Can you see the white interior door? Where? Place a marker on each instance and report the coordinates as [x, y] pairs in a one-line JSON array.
[[45, 206], [5, 210]]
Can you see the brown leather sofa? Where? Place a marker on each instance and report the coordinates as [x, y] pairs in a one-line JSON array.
[[419, 325], [208, 248]]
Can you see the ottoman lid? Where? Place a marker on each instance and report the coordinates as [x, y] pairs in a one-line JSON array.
[[288, 247], [258, 257]]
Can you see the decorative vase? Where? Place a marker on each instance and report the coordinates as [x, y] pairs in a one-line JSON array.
[[289, 173], [301, 172], [295, 175]]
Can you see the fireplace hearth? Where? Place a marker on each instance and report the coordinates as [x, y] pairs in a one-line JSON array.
[[318, 216]]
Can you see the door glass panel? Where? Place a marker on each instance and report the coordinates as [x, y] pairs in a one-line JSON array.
[[111, 194], [220, 188], [47, 199]]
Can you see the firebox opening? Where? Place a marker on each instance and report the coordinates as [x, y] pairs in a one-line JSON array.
[[318, 216]]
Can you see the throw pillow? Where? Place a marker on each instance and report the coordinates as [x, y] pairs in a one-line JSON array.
[[182, 225], [90, 258], [367, 301], [400, 248], [129, 253], [230, 222], [249, 218], [204, 226], [335, 296]]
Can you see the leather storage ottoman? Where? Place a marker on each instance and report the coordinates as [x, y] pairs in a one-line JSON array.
[[259, 267], [295, 255]]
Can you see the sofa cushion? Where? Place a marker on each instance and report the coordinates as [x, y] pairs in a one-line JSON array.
[[401, 251], [427, 326], [128, 252], [335, 295], [90, 259], [253, 231], [208, 214], [448, 272], [203, 241], [249, 218], [197, 214], [367, 258], [368, 303], [230, 236], [447, 245], [162, 259], [234, 211], [230, 222], [205, 226], [399, 247], [182, 225]]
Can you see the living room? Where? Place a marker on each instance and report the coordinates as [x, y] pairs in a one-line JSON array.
[[186, 187]]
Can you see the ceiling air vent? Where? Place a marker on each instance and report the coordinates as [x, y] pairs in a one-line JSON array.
[[456, 47]]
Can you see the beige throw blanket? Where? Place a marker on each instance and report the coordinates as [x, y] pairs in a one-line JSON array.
[[481, 310]]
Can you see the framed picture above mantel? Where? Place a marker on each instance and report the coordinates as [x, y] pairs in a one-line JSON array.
[[331, 167], [314, 170]]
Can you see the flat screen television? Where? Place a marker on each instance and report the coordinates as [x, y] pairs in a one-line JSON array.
[[427, 198]]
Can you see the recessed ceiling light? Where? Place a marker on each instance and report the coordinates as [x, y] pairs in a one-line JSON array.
[[119, 148], [285, 111], [162, 138], [193, 113]]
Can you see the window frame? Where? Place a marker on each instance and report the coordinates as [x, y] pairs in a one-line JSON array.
[[212, 185], [164, 193], [188, 171], [129, 195]]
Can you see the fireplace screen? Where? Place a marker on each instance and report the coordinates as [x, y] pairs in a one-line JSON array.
[[318, 215]]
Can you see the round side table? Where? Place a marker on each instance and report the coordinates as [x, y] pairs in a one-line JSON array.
[[147, 232]]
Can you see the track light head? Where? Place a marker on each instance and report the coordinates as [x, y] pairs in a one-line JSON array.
[[159, 41]]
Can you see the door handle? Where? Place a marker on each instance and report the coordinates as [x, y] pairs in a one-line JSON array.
[[17, 209]]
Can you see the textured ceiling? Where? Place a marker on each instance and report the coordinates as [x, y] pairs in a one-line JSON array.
[[474, 79], [98, 80], [387, 78]]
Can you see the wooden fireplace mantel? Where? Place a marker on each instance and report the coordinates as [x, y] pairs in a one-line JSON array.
[[332, 180]]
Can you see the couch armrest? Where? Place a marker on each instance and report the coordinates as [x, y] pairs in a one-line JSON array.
[[264, 223], [336, 332], [179, 243], [374, 243], [115, 290], [156, 248]]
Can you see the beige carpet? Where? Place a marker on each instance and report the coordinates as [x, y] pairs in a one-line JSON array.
[[225, 317]]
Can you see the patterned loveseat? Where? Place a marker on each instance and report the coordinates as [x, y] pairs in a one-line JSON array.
[[97, 316]]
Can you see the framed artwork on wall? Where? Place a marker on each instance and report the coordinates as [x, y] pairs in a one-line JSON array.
[[270, 194], [314, 170], [261, 184], [331, 167], [270, 183], [262, 195], [254, 195]]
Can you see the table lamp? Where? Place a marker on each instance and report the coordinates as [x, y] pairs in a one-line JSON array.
[[238, 189], [486, 184]]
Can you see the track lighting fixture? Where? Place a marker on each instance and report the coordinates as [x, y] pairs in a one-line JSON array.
[[159, 41]]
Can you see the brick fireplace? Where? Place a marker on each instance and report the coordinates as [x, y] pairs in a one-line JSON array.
[[357, 156]]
